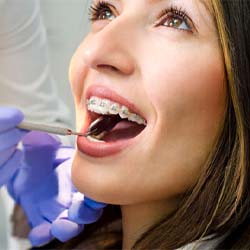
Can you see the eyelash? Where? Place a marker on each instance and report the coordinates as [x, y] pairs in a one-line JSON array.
[[100, 7], [96, 9], [175, 12]]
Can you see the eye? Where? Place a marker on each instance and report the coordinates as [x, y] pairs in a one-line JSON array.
[[176, 22], [101, 11], [175, 18]]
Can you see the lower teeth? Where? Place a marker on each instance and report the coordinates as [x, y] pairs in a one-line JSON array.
[[97, 138], [94, 139]]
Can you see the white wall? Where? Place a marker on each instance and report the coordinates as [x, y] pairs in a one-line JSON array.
[[66, 22]]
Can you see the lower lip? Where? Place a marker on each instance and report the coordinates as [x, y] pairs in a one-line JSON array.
[[101, 149]]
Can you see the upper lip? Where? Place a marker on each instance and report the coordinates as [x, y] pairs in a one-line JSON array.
[[106, 93]]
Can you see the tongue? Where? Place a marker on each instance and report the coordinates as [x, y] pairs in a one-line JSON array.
[[122, 131]]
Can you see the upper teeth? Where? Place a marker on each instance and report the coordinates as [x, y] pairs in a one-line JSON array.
[[107, 107]]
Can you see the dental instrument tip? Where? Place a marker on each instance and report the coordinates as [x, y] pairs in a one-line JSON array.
[[71, 132], [49, 129]]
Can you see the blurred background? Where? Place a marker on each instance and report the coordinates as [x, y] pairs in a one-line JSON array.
[[66, 23]]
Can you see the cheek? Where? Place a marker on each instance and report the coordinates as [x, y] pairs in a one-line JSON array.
[[190, 87], [189, 98]]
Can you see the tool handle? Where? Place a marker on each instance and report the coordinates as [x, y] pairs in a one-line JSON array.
[[44, 128]]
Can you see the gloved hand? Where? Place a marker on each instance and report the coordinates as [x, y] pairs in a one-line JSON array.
[[10, 156], [59, 222], [44, 189]]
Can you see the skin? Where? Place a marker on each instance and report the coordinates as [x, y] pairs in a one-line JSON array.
[[175, 77]]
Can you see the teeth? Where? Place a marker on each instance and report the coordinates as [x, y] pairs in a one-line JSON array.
[[114, 109], [100, 136], [100, 106], [94, 139], [107, 107], [124, 112], [104, 105], [136, 118]]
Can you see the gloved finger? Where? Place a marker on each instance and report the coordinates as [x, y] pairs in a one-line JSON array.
[[10, 167], [41, 139], [81, 213], [10, 138], [94, 204], [64, 229], [62, 154], [9, 118], [41, 234], [39, 151], [6, 154], [55, 203], [77, 196], [27, 202], [50, 209]]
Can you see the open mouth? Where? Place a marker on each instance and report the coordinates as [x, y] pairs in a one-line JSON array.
[[111, 121]]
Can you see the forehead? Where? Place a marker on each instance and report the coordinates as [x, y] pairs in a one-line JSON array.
[[208, 4]]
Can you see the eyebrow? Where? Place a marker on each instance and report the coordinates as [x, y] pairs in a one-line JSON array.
[[203, 2], [207, 6], [153, 1]]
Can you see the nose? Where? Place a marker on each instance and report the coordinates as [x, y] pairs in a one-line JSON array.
[[109, 49]]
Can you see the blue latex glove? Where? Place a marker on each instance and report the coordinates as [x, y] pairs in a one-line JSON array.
[[44, 189], [10, 156]]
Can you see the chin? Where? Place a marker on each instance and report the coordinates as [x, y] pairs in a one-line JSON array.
[[102, 186], [110, 184], [95, 181]]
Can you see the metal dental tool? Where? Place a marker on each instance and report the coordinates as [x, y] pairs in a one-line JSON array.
[[51, 129], [101, 124]]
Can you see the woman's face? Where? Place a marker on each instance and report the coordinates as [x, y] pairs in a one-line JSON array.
[[161, 61]]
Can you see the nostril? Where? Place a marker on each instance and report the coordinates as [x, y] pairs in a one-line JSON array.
[[108, 67]]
